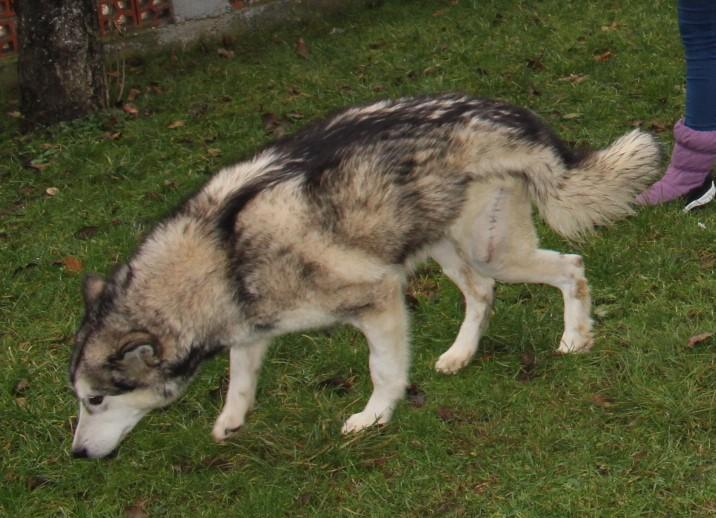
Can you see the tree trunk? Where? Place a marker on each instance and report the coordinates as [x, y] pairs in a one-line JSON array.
[[60, 62]]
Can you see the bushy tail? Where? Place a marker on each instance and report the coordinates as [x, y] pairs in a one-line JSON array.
[[600, 188]]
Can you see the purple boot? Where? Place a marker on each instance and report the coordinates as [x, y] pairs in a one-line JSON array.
[[688, 173]]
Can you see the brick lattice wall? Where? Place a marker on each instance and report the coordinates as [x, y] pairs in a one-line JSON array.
[[114, 16]]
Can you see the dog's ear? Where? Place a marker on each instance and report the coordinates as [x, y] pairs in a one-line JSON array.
[[139, 354], [92, 287]]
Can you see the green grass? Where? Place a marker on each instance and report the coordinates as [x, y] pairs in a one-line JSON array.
[[625, 430]]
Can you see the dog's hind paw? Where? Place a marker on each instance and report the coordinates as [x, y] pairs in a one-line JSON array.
[[575, 344]]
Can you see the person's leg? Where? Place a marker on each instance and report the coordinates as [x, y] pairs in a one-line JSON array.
[[694, 152]]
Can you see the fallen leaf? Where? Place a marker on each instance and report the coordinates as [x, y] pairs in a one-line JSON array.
[[575, 79], [52, 191], [212, 151], [137, 509], [130, 109], [35, 482], [528, 367], [604, 56], [602, 401], [273, 125], [176, 124], [337, 384], [611, 27], [698, 339], [133, 94], [154, 88], [569, 116], [21, 386], [302, 49], [21, 402], [72, 264], [415, 396], [38, 165], [86, 232], [225, 53], [15, 114], [533, 92], [445, 414], [109, 135], [24, 267], [658, 126], [535, 63]]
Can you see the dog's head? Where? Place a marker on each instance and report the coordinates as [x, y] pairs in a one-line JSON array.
[[119, 369]]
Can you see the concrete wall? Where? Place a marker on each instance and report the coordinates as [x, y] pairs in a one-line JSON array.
[[258, 15], [194, 9]]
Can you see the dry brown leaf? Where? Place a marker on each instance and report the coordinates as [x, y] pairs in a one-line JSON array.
[[130, 109], [15, 114], [21, 386], [86, 232], [575, 79], [133, 94], [302, 48], [213, 151], [445, 414], [225, 53], [108, 135], [52, 191], [658, 126], [137, 509], [611, 27], [72, 264], [415, 396], [698, 339], [40, 166], [569, 116], [604, 56], [273, 125], [602, 401], [176, 124]]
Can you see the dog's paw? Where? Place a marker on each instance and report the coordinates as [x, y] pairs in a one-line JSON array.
[[361, 421], [575, 344], [226, 426], [451, 363]]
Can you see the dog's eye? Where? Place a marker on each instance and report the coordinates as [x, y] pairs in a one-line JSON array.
[[95, 400]]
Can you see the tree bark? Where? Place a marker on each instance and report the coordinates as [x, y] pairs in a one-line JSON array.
[[60, 60]]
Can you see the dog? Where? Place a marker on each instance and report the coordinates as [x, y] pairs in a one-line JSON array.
[[323, 227]]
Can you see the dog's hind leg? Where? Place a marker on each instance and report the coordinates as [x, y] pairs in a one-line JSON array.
[[563, 271], [478, 292], [386, 329], [244, 365], [499, 239]]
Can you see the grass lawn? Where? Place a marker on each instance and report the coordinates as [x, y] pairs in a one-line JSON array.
[[626, 430]]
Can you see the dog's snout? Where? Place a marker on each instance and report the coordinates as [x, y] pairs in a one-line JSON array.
[[80, 453]]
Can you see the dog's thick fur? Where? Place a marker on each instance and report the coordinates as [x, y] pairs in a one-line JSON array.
[[322, 228]]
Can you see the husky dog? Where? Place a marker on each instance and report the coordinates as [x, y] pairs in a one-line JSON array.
[[321, 228]]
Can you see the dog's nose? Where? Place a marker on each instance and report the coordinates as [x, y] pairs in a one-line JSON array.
[[80, 453]]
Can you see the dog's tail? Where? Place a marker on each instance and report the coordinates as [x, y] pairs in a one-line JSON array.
[[599, 188]]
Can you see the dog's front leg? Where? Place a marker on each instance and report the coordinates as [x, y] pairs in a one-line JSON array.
[[387, 334], [244, 365]]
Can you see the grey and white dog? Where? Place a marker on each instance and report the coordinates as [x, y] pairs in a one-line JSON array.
[[322, 228]]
